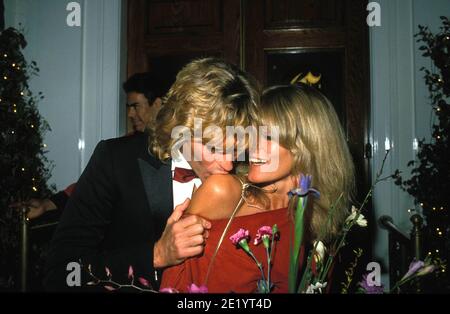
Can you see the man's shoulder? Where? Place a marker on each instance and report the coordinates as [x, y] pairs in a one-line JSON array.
[[135, 143]]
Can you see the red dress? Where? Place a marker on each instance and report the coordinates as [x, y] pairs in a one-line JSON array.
[[233, 269]]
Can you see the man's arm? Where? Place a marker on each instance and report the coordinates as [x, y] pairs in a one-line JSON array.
[[182, 238]]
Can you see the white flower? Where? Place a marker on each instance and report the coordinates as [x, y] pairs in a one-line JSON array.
[[320, 250], [360, 221], [316, 288]]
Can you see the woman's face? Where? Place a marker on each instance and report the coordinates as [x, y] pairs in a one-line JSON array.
[[270, 162]]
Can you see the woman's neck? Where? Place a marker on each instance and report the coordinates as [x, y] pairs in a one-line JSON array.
[[278, 191]]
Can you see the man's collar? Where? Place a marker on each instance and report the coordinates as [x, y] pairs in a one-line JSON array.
[[179, 161]]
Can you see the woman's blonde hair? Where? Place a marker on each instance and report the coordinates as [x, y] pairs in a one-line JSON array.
[[310, 128], [209, 89]]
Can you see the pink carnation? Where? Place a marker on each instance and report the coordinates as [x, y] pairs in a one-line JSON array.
[[263, 231], [239, 236]]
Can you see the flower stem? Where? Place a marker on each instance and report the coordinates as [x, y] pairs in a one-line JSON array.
[[258, 264], [268, 268]]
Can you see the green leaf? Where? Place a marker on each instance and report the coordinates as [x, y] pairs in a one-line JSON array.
[[298, 237]]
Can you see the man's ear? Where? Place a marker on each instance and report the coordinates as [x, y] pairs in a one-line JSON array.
[[157, 103]]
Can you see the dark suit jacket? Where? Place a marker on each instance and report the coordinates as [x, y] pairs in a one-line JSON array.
[[115, 215]]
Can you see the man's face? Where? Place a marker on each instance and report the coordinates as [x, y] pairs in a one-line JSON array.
[[140, 112]]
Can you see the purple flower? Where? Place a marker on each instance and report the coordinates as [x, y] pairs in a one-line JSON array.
[[264, 234], [304, 188], [193, 288], [240, 238], [371, 288], [414, 267]]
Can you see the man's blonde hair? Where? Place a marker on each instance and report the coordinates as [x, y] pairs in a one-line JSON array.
[[209, 89], [310, 128]]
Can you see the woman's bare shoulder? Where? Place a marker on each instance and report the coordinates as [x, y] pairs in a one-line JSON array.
[[216, 198]]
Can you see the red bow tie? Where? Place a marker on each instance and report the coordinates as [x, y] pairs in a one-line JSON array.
[[184, 175]]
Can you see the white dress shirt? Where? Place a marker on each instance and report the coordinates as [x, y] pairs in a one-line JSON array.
[[181, 191]]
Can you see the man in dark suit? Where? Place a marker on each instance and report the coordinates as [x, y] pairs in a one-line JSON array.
[[122, 212], [144, 97]]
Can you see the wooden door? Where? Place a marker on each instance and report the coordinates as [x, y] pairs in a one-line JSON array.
[[163, 35], [329, 38]]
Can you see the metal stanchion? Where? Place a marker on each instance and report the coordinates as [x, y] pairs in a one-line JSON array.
[[416, 236], [23, 249]]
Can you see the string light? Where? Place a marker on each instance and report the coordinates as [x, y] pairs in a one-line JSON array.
[[5, 55], [15, 110], [12, 132], [32, 126], [45, 145], [429, 253], [437, 251], [440, 233], [421, 204], [5, 77], [23, 169], [21, 93], [13, 65], [34, 189]]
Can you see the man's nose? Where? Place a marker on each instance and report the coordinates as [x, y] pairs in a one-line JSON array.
[[131, 112]]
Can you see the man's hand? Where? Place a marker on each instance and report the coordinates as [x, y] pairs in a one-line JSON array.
[[36, 207], [182, 238]]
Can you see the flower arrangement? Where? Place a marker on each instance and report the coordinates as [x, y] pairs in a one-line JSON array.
[[320, 259]]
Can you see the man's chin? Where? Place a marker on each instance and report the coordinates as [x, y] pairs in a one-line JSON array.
[[138, 128]]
